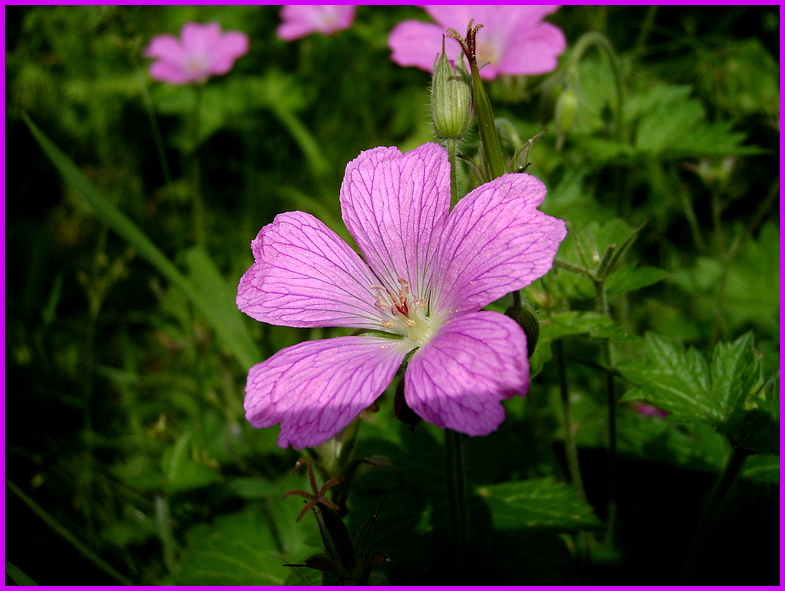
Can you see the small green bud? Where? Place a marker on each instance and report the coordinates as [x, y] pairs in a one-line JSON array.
[[565, 112], [528, 320], [451, 98]]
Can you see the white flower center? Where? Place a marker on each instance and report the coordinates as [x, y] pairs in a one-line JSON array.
[[408, 314]]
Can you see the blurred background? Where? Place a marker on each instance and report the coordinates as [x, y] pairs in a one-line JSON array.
[[128, 458]]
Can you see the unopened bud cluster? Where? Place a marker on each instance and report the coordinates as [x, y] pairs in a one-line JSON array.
[[451, 98]]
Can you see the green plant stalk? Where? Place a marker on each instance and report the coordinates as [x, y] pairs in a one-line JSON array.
[[163, 520], [607, 350], [456, 497], [305, 140], [452, 155], [599, 40], [486, 125], [732, 253], [198, 220], [570, 444], [710, 511], [67, 535], [157, 138]]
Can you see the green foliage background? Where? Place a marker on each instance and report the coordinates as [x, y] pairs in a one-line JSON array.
[[128, 458]]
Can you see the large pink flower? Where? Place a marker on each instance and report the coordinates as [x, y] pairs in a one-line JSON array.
[[203, 52], [424, 275], [301, 20], [513, 39]]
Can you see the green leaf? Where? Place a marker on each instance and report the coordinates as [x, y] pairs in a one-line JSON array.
[[211, 284], [629, 279], [235, 549], [728, 394], [18, 576], [181, 471], [246, 354], [762, 468], [541, 503]]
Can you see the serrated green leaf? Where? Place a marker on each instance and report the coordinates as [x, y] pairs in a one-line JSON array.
[[673, 379], [728, 394], [541, 503]]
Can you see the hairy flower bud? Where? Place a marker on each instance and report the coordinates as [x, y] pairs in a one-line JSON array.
[[451, 98]]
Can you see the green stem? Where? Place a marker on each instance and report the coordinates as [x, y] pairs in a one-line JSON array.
[[487, 126], [577, 269], [607, 350], [305, 140], [159, 142], [195, 170], [164, 521], [570, 445], [709, 515], [452, 155], [597, 39], [67, 535], [643, 36], [456, 497]]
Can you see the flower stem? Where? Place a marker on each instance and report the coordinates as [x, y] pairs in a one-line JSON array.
[[571, 447], [456, 497], [452, 155], [195, 170], [706, 523]]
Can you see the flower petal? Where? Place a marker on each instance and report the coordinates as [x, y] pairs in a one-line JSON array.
[[394, 205], [200, 39], [316, 388], [232, 45], [533, 52], [300, 20], [304, 275], [495, 241], [458, 379], [414, 43]]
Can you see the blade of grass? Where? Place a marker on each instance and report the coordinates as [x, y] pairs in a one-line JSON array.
[[234, 336]]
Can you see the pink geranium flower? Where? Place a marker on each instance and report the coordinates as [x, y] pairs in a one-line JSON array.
[[425, 274], [513, 39], [203, 52], [301, 20]]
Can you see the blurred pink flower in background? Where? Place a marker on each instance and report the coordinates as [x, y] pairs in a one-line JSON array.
[[301, 20], [513, 39], [203, 52], [651, 411]]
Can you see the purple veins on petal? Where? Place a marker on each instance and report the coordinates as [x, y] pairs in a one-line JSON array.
[[316, 388], [394, 205], [459, 378], [496, 241], [305, 275]]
